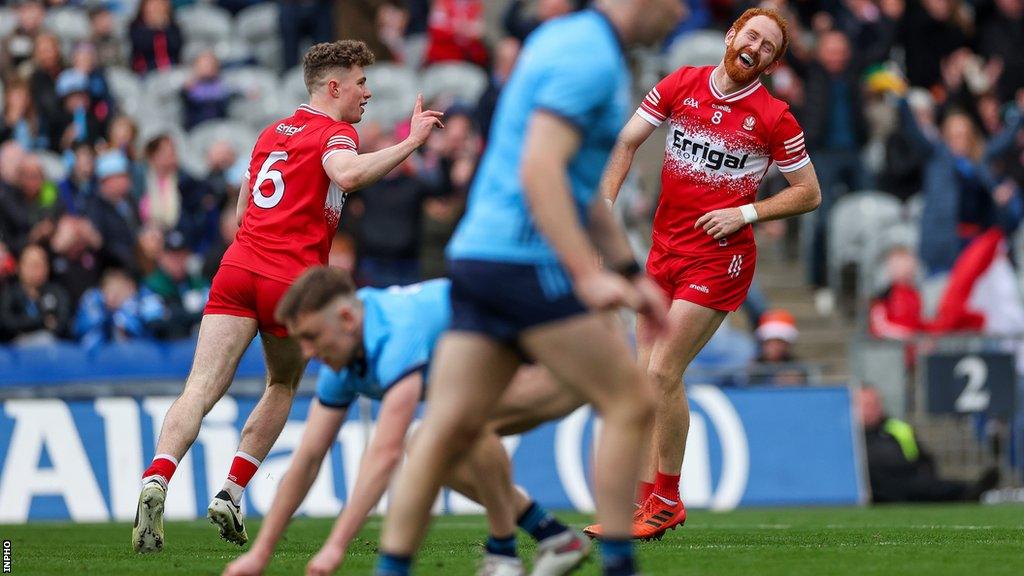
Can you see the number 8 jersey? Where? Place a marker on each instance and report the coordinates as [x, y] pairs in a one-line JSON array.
[[294, 207]]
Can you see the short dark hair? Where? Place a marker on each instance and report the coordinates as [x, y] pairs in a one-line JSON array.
[[314, 289], [327, 56]]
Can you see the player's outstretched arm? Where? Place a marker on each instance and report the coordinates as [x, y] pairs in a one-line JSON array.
[[379, 462], [354, 171], [802, 195], [631, 137], [322, 427]]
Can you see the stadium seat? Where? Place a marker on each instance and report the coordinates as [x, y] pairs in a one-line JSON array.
[[8, 21], [70, 24], [53, 166], [259, 26], [204, 23], [163, 90], [394, 93], [259, 101], [698, 48], [229, 51], [240, 135], [855, 232], [454, 81], [127, 90], [293, 89]]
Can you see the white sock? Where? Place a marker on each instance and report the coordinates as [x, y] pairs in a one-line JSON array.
[[233, 490]]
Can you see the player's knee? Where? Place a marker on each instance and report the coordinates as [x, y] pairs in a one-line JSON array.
[[665, 381]]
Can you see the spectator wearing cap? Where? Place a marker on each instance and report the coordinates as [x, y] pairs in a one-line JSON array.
[[34, 309], [776, 363], [29, 210], [85, 60], [78, 122], [19, 45], [182, 293], [115, 311], [113, 211], [155, 37]]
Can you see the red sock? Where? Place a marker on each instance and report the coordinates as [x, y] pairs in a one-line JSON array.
[[667, 486], [644, 491], [162, 468], [243, 468]]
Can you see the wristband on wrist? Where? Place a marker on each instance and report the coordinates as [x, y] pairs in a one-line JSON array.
[[749, 213], [629, 270]]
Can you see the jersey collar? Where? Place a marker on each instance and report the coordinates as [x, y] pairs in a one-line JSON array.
[[737, 95], [310, 110]]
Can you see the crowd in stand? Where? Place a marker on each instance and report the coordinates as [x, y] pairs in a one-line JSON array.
[[916, 98]]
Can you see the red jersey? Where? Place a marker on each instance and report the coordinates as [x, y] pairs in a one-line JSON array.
[[717, 150], [294, 207]]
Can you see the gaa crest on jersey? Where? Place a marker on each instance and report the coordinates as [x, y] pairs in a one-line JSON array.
[[748, 123], [691, 102]]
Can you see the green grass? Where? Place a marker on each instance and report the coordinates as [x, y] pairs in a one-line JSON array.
[[925, 540]]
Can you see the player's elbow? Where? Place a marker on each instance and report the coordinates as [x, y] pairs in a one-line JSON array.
[[347, 180], [813, 196]]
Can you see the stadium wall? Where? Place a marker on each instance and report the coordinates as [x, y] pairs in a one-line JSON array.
[[81, 459]]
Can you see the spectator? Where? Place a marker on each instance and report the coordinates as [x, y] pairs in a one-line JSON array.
[[11, 155], [183, 295], [101, 101], [34, 310], [77, 259], [116, 311], [505, 56], [45, 67], [121, 136], [19, 45], [21, 122], [169, 197], [155, 37], [302, 19], [834, 132], [1001, 37], [228, 229], [900, 469], [930, 31], [456, 32], [8, 265], [110, 46], [896, 311], [224, 171], [776, 364], [388, 237], [205, 96], [80, 184], [78, 122], [113, 211], [379, 23], [903, 164], [962, 199], [29, 211]]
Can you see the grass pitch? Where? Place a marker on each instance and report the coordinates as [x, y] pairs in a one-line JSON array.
[[926, 540]]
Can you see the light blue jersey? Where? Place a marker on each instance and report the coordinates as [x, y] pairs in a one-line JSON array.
[[401, 325], [573, 67]]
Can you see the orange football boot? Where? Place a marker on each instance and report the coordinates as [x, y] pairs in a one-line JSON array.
[[651, 520]]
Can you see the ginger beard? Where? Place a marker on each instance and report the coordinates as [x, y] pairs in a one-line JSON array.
[[740, 69]]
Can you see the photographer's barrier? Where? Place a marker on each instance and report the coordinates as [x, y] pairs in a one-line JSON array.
[[82, 459]]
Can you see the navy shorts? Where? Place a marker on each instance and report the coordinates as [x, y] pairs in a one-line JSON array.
[[501, 299]]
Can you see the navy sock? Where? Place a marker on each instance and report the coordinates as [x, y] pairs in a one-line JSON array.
[[617, 556], [392, 565], [502, 546], [539, 523]]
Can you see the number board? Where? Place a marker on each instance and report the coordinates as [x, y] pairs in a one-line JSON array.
[[970, 383]]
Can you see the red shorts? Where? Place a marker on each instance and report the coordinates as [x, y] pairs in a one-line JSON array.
[[719, 280], [239, 292]]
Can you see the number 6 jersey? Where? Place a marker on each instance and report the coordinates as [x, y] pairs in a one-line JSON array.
[[294, 207], [717, 150]]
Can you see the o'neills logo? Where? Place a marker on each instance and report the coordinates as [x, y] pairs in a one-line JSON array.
[[703, 153], [289, 130]]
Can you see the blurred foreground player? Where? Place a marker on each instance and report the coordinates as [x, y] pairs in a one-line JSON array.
[[527, 281], [288, 208], [378, 344], [725, 129]]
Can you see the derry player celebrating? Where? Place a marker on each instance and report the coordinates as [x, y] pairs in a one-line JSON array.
[[288, 207], [725, 129]]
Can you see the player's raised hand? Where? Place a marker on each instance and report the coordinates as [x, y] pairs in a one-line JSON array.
[[326, 561], [720, 223], [248, 564], [604, 290], [423, 121]]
